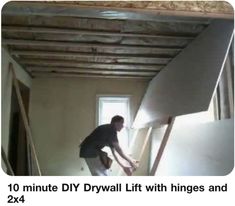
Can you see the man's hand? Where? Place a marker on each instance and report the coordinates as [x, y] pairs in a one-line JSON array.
[[128, 171], [134, 164]]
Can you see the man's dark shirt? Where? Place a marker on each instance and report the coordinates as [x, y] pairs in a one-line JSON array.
[[104, 135]]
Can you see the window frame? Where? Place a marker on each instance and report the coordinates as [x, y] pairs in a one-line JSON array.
[[127, 121], [128, 97]]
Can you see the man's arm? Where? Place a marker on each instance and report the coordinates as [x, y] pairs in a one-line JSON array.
[[126, 169], [116, 158], [123, 155]]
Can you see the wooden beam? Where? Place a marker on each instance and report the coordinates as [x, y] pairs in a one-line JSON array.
[[37, 30], [24, 116], [145, 143], [228, 68], [6, 161], [162, 146], [90, 71], [96, 65], [85, 45], [65, 75], [87, 54], [73, 10]]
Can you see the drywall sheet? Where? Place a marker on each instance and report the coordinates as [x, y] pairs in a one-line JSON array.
[[203, 149], [187, 83]]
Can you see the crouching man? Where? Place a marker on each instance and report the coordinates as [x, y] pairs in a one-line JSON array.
[[105, 135]]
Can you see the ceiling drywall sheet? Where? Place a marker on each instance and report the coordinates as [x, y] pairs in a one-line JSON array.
[[187, 83]]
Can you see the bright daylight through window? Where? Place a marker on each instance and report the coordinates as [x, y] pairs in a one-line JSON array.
[[111, 106]]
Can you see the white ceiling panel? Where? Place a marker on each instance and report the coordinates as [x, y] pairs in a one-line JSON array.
[[187, 83]]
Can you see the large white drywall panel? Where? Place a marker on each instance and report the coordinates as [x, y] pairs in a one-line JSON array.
[[187, 83], [201, 150]]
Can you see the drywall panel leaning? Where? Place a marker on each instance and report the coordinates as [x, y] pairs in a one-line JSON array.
[[188, 82], [202, 150]]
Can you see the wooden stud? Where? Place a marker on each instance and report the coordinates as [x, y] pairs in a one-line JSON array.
[[145, 143], [162, 146], [24, 116], [229, 85]]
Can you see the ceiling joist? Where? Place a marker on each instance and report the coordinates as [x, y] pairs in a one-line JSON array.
[[90, 32], [86, 54], [111, 39], [97, 65], [90, 71], [63, 75], [85, 45]]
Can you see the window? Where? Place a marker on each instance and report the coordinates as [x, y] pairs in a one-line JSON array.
[[109, 106]]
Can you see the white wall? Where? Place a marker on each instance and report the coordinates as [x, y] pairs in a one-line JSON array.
[[6, 93], [202, 149], [63, 112]]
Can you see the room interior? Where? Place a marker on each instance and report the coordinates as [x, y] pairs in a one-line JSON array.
[[168, 64]]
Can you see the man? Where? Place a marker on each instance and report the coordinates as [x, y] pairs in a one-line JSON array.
[[105, 135]]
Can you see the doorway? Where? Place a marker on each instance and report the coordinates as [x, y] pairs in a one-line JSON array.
[[18, 155]]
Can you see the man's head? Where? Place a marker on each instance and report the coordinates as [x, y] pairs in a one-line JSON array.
[[118, 122]]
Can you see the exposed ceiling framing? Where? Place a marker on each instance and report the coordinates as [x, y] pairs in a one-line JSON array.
[[101, 40]]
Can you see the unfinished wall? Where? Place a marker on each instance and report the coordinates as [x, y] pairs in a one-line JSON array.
[[63, 112], [6, 93]]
